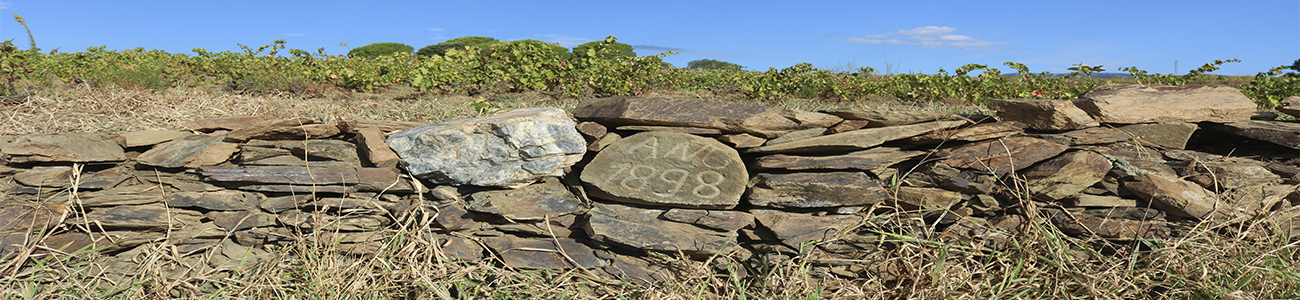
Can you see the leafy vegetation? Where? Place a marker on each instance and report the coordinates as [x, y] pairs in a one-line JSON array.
[[380, 49], [711, 64]]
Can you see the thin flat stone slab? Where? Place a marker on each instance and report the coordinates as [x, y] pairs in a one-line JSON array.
[[796, 135], [219, 200], [149, 216], [355, 126], [640, 228], [1085, 200], [533, 202], [1115, 229], [294, 161], [150, 137], [1153, 103], [82, 147], [42, 176], [974, 133], [546, 254], [1162, 135], [285, 129], [1087, 136], [240, 220], [312, 150], [592, 131], [687, 130], [327, 222], [726, 116], [1001, 156], [887, 118], [1067, 174], [720, 220], [512, 149], [36, 218], [371, 146], [795, 229], [1043, 114], [125, 195], [866, 160], [848, 125], [362, 179], [227, 123], [742, 140], [926, 198], [1174, 196], [1226, 173], [857, 139], [1278, 132], [669, 169], [180, 152], [815, 190]]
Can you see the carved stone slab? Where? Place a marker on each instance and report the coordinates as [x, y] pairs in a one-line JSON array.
[[670, 169]]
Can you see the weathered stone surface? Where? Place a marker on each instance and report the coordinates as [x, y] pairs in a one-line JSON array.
[[220, 200], [1001, 156], [1106, 224], [857, 139], [886, 118], [796, 135], [63, 147], [228, 123], [1226, 173], [384, 126], [634, 269], [327, 222], [1043, 114], [549, 254], [926, 198], [277, 205], [591, 130], [807, 119], [1277, 132], [149, 216], [1085, 200], [1175, 196], [848, 125], [1163, 135], [1151, 103], [150, 137], [869, 159], [240, 220], [454, 217], [668, 168], [37, 218], [126, 195], [56, 176], [462, 249], [795, 229], [975, 133], [311, 150], [106, 178], [1067, 174], [180, 152], [509, 150], [742, 140], [1087, 136], [726, 116], [295, 161], [605, 141], [687, 130], [811, 190], [947, 177], [1255, 201], [285, 129], [1289, 105], [640, 228], [361, 179], [721, 220], [371, 145], [533, 202]]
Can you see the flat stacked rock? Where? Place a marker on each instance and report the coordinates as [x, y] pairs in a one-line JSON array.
[[622, 177]]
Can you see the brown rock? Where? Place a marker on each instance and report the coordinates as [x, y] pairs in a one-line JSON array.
[[228, 123], [215, 155], [670, 169], [1175, 196], [355, 126], [592, 131], [1226, 173], [886, 118], [220, 200], [857, 139], [179, 153], [795, 229], [796, 135], [1162, 135], [547, 254], [362, 179], [1085, 200], [371, 145], [1277, 132], [40, 176], [926, 198], [19, 219], [1100, 223], [1001, 156], [149, 216], [150, 137], [848, 125], [311, 150], [686, 130], [1256, 201], [285, 129], [975, 133], [63, 147], [721, 220], [605, 141], [538, 201], [726, 116], [1087, 136], [866, 160], [1289, 105], [952, 179], [1148, 103], [327, 222], [742, 141], [240, 220], [1067, 174], [640, 228], [812, 190], [1043, 114], [462, 249], [454, 217], [126, 195]]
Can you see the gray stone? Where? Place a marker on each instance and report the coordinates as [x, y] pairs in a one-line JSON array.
[[507, 150], [149, 216], [796, 229], [926, 198], [533, 202], [1175, 196], [63, 147], [639, 228], [857, 139], [125, 195], [1001, 156], [1162, 135], [1067, 174], [150, 137], [18, 219], [547, 254], [1086, 136], [454, 217], [887, 118], [177, 153], [1277, 132], [40, 176], [328, 223], [815, 190], [353, 179], [687, 130], [865, 160], [668, 168], [311, 150], [220, 200], [978, 132], [721, 220], [1153, 103], [240, 220], [726, 116], [1226, 173], [1043, 114]]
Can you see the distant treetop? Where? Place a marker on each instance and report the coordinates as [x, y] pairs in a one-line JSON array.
[[711, 64]]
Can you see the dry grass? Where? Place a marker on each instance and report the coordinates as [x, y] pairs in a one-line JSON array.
[[1250, 261]]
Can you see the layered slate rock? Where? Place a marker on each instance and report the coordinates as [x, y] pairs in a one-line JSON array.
[[1175, 196], [669, 169], [1087, 136], [373, 148], [1067, 174], [1043, 114], [641, 228], [1001, 156], [974, 133], [1282, 133], [795, 229], [150, 137], [1226, 173], [865, 160], [507, 150], [886, 118], [544, 253], [18, 219], [926, 198], [300, 179], [63, 147], [1108, 224], [857, 139], [720, 220], [813, 190], [284, 129], [533, 202], [726, 116], [1153, 103], [182, 152], [1163, 135]]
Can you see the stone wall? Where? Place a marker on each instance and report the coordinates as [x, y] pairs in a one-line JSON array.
[[636, 175]]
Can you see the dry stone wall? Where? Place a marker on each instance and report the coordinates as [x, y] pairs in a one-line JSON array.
[[619, 178]]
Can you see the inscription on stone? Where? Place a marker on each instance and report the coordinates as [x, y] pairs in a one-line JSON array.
[[668, 168]]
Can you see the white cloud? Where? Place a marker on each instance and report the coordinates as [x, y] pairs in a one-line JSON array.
[[436, 29], [295, 34], [926, 37], [563, 40], [4, 5]]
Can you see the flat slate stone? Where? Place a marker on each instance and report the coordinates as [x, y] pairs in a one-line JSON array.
[[149, 216], [312, 150], [742, 140], [1067, 174], [63, 147], [150, 137], [41, 176], [640, 228], [361, 179], [1153, 103], [240, 220], [795, 229], [219, 200], [720, 220], [1043, 114], [512, 149], [1278, 132], [371, 146], [285, 129], [815, 190], [328, 223], [1162, 135], [355, 126], [1115, 229], [544, 253], [38, 218], [857, 139], [533, 202], [669, 169], [1001, 156], [978, 132], [227, 123], [125, 195], [865, 160], [887, 118], [926, 198], [178, 153], [1087, 136], [688, 130], [1173, 195], [726, 116], [796, 135]]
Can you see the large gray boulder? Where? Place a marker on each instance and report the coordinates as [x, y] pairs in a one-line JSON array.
[[511, 149]]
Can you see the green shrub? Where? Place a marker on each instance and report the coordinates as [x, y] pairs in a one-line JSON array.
[[610, 46], [456, 43], [380, 49], [710, 64]]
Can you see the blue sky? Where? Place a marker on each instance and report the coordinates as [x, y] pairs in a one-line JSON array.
[[902, 36]]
